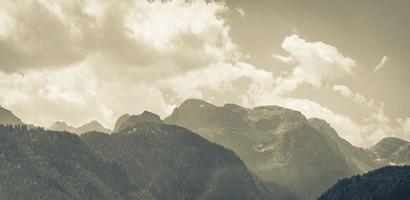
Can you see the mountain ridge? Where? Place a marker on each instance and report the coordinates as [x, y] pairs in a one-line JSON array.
[[278, 144], [7, 117], [87, 127]]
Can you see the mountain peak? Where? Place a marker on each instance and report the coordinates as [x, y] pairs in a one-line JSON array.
[[7, 117], [391, 140], [127, 121], [61, 126], [388, 147], [196, 103], [87, 127], [120, 121]]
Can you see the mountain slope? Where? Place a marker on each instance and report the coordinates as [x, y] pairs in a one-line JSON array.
[[61, 126], [38, 164], [7, 117], [358, 158], [88, 127], [385, 183], [120, 121], [171, 162], [278, 144], [92, 126], [391, 151]]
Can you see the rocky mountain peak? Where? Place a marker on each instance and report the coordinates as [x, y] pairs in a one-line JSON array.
[[130, 121]]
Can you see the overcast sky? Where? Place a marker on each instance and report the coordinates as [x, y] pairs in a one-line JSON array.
[[80, 60]]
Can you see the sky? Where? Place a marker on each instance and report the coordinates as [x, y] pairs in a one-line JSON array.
[[83, 60]]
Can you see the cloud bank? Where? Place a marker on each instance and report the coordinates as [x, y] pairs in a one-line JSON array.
[[77, 61]]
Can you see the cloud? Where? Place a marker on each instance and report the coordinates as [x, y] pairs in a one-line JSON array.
[[356, 97], [175, 34], [241, 12], [82, 60], [75, 95], [405, 127], [316, 63], [224, 82], [382, 62]]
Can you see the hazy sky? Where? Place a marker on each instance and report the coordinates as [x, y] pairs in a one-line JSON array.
[[80, 60]]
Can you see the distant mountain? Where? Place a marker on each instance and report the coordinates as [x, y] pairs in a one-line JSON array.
[[61, 126], [391, 151], [92, 126], [88, 127], [38, 164], [386, 183], [358, 158], [171, 162], [120, 121], [7, 117], [127, 121], [278, 144]]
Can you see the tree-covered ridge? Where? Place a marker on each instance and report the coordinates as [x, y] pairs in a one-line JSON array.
[[171, 162], [38, 164], [148, 161], [392, 182]]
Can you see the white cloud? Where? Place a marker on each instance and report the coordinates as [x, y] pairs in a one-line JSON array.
[[175, 34], [405, 127], [356, 97], [100, 59], [382, 62], [316, 63], [241, 12], [343, 90], [106, 58], [284, 59], [229, 81]]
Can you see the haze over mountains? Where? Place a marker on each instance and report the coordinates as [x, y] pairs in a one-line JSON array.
[[268, 152]]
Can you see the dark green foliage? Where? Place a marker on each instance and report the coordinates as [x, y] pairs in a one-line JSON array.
[[170, 162], [386, 183], [38, 164]]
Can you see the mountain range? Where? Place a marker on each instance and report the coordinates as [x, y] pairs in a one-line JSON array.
[[266, 152], [152, 161], [88, 127]]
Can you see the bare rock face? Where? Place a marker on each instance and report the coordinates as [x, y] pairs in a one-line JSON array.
[[127, 121], [278, 144], [391, 151]]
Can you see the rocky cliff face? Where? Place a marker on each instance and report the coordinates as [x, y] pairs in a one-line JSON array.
[[391, 151], [278, 144]]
